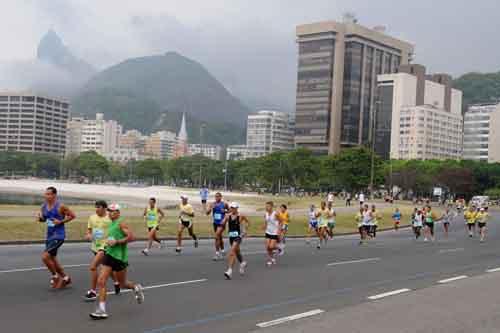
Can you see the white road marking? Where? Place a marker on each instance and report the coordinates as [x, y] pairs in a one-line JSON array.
[[31, 269], [461, 277], [493, 270], [290, 318], [353, 261], [452, 250], [162, 285], [389, 293]]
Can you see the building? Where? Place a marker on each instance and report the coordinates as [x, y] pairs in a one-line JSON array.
[[124, 155], [99, 135], [33, 123], [269, 131], [336, 88], [133, 139], [482, 133], [418, 116], [181, 148], [236, 152], [211, 151], [161, 145]]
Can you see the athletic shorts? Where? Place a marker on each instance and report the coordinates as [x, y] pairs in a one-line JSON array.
[[367, 228], [275, 237], [235, 239], [397, 221], [481, 225], [95, 253], [52, 246], [284, 227], [115, 264], [331, 225], [429, 224], [187, 224], [446, 223], [157, 228], [313, 225], [203, 201], [217, 226]]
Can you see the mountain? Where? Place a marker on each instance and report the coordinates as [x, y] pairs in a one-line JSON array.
[[51, 50], [149, 93], [479, 87]]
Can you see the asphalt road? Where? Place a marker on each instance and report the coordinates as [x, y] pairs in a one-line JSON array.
[[188, 293]]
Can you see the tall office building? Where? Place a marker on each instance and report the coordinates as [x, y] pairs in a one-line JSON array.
[[33, 123], [482, 132], [269, 131], [161, 145], [336, 88]]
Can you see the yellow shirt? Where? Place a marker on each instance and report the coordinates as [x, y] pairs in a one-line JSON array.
[[184, 210], [284, 217], [359, 219], [482, 217], [324, 216], [470, 217], [99, 226]]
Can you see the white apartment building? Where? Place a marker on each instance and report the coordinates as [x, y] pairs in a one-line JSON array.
[[211, 151], [269, 131], [412, 110], [99, 135], [33, 123], [482, 133], [123, 155], [161, 145], [236, 152]]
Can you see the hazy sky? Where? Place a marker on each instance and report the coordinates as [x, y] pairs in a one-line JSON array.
[[249, 44]]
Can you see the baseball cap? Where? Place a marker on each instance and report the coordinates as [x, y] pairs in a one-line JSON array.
[[183, 196], [114, 207], [482, 209], [234, 205]]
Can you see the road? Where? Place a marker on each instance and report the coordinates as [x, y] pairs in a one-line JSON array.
[[188, 293]]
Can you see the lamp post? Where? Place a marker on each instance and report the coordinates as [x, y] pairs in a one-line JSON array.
[[373, 127], [202, 127]]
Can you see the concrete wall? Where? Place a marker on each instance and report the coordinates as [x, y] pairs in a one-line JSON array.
[[494, 139], [434, 94]]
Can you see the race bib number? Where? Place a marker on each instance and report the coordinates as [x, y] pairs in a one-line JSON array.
[[50, 223], [151, 217], [98, 234], [234, 234], [111, 238], [217, 216]]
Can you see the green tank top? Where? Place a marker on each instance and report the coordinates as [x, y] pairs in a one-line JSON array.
[[119, 251], [429, 218], [152, 217]]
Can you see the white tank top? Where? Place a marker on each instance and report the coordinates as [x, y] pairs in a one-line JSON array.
[[367, 218], [272, 224], [312, 216]]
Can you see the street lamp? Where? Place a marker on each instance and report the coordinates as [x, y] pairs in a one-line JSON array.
[[373, 129], [202, 127]]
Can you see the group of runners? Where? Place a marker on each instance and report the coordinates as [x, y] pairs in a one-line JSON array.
[[109, 235]]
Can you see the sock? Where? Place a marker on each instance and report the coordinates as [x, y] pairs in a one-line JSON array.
[[102, 306]]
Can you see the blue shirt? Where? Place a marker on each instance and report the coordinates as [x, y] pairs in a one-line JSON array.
[[218, 212], [204, 193], [397, 216], [54, 232]]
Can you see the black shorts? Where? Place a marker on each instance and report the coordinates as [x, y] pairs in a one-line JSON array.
[[471, 225], [203, 201], [95, 253], [481, 225], [52, 246], [430, 225], [217, 226], [115, 264], [157, 228], [275, 237], [187, 224], [235, 239]]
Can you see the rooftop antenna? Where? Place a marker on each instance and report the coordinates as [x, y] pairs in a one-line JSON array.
[[349, 17]]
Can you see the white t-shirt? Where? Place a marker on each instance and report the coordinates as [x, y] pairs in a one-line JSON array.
[[272, 224], [367, 218], [329, 198], [419, 220], [362, 197]]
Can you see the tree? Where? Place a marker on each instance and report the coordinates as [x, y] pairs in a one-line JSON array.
[[150, 170], [92, 165]]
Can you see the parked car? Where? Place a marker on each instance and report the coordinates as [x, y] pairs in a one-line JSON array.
[[480, 201]]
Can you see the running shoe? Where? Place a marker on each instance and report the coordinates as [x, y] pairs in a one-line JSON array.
[[139, 293], [273, 261], [178, 250], [318, 246], [54, 281], [217, 256], [145, 252], [90, 296], [269, 263], [228, 274], [243, 265], [64, 282], [426, 240], [117, 288], [281, 252], [161, 245], [98, 314], [196, 243]]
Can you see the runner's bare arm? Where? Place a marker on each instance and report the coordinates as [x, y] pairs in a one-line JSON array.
[[129, 236], [209, 209], [162, 215], [68, 214]]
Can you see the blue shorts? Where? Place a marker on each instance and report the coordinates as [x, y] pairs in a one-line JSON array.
[[313, 224], [51, 246]]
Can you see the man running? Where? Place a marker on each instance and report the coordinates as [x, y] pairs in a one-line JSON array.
[[55, 214], [153, 215], [331, 220], [186, 216], [313, 223], [235, 221], [367, 222], [482, 219], [429, 218], [204, 197], [361, 199], [284, 217], [97, 231], [322, 215], [417, 222], [374, 225], [273, 228], [218, 209], [447, 218], [359, 222], [470, 219], [115, 261], [396, 218]]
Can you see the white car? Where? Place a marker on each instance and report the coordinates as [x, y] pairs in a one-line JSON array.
[[480, 201]]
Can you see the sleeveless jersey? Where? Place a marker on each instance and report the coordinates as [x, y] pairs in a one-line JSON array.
[[119, 251], [234, 227], [152, 217], [218, 212], [272, 224], [57, 232]]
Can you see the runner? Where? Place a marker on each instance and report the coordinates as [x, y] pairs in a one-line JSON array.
[[55, 214], [97, 230], [482, 219], [359, 221], [115, 260], [361, 199], [396, 218], [330, 197], [429, 219], [470, 219], [218, 209], [447, 218], [418, 222], [313, 223], [374, 224], [273, 228], [186, 215], [284, 217], [331, 220], [323, 215], [235, 221], [367, 222], [153, 215], [348, 199], [204, 197]]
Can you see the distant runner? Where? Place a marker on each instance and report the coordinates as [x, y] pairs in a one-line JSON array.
[[417, 222], [470, 220], [331, 220], [482, 219], [323, 215], [186, 216], [153, 215], [204, 197], [284, 217], [236, 223], [374, 225], [447, 219], [313, 223], [359, 222], [55, 214], [429, 219], [273, 228], [396, 218], [218, 209]]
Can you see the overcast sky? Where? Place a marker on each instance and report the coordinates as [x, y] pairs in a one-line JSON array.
[[249, 44]]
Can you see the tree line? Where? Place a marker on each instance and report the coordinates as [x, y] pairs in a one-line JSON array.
[[295, 171]]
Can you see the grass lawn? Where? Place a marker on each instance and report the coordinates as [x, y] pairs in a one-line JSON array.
[[25, 228]]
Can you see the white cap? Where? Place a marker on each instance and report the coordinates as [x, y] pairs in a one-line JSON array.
[[183, 196], [114, 206], [482, 209], [234, 205]]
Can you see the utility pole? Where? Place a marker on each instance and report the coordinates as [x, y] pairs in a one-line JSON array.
[[225, 171], [202, 127], [372, 168]]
